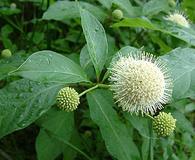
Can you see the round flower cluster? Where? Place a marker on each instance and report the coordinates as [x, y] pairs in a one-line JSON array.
[[140, 82], [68, 99], [164, 124], [6, 53], [117, 14], [178, 18]]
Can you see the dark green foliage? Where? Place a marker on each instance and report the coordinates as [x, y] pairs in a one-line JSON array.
[[54, 44]]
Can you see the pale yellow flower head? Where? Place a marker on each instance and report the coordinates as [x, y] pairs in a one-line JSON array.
[[178, 18], [140, 82]]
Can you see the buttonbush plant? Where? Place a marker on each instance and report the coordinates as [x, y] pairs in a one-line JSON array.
[[97, 80]]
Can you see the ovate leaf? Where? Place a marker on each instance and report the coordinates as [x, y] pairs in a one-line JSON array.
[[76, 140], [5, 11], [66, 10], [182, 123], [86, 63], [115, 134], [106, 4], [183, 33], [22, 102], [155, 6], [47, 147], [56, 122], [181, 63], [139, 123], [48, 66], [136, 22], [124, 5], [9, 64], [96, 40]]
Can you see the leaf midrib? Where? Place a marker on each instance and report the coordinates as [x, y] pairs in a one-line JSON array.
[[111, 126]]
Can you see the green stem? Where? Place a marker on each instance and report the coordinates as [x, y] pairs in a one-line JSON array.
[[91, 84], [88, 90], [94, 87], [151, 135], [151, 142], [149, 116], [103, 86]]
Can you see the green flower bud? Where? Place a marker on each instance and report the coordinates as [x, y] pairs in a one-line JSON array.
[[164, 124], [172, 3], [68, 99], [6, 53], [13, 6], [88, 133], [117, 14]]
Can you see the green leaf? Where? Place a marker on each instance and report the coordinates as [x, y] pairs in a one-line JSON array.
[[57, 122], [190, 107], [136, 22], [139, 123], [145, 148], [164, 48], [9, 64], [86, 63], [66, 10], [155, 6], [182, 123], [115, 134], [181, 63], [166, 144], [185, 34], [48, 147], [48, 66], [124, 5], [189, 7], [69, 153], [6, 31], [5, 11], [125, 51], [96, 40], [107, 3], [22, 102]]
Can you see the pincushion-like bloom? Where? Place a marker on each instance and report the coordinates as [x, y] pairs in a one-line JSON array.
[[141, 83], [68, 99], [164, 124], [178, 18]]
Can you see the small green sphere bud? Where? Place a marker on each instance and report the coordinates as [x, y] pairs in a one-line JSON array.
[[68, 99], [6, 53], [172, 3], [88, 133], [164, 124], [117, 14], [13, 6]]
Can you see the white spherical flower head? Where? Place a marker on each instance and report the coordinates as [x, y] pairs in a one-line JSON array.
[[140, 83], [178, 18]]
